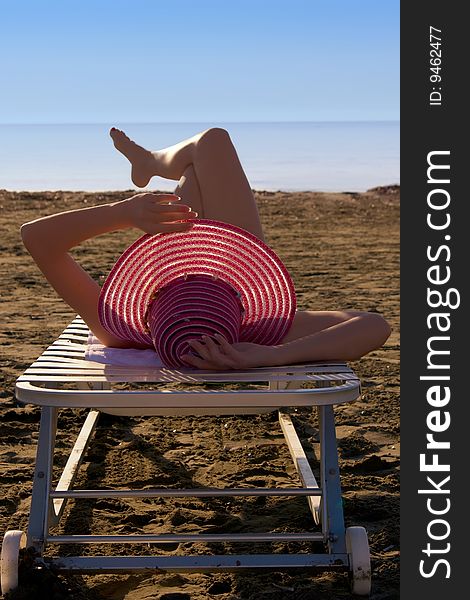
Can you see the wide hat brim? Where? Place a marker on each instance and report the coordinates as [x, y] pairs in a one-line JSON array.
[[210, 247]]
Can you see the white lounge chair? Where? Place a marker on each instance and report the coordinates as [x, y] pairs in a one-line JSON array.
[[47, 383]]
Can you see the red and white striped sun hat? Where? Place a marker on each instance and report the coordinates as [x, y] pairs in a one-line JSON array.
[[167, 289]]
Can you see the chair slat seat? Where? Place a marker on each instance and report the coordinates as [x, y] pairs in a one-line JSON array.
[[50, 380]]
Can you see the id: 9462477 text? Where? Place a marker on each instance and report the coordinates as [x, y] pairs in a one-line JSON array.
[[435, 62]]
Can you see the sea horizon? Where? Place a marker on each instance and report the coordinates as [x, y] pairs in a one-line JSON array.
[[214, 123], [290, 156]]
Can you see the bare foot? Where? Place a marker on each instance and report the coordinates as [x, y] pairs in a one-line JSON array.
[[143, 162]]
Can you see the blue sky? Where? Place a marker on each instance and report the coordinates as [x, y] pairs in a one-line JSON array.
[[84, 61]]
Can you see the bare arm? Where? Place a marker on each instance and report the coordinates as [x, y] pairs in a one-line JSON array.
[[353, 335], [350, 339], [49, 239]]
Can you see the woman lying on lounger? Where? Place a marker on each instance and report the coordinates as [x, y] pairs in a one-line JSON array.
[[211, 186]]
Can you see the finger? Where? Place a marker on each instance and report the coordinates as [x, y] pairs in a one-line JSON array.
[[159, 198], [162, 208], [200, 363], [217, 356], [165, 197], [193, 360], [209, 344], [200, 348], [213, 358], [216, 352], [213, 348], [226, 347], [170, 217], [172, 227]]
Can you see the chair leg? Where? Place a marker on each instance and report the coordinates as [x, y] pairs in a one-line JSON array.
[[332, 504], [301, 463], [74, 461], [38, 528]]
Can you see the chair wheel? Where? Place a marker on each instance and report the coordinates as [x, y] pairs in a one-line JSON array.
[[13, 541], [357, 547]]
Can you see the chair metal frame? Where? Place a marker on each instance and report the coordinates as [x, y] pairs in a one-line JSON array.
[[47, 383]]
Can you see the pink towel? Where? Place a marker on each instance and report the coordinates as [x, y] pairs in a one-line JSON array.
[[125, 357]]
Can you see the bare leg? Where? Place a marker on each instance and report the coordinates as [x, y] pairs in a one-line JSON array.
[[225, 193], [189, 192], [169, 162]]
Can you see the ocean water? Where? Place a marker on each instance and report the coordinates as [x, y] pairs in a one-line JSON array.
[[326, 156]]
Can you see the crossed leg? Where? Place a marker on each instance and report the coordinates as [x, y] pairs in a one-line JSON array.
[[211, 178]]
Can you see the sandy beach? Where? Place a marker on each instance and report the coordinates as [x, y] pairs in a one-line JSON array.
[[343, 252]]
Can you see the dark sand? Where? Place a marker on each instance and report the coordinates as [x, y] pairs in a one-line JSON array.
[[343, 252]]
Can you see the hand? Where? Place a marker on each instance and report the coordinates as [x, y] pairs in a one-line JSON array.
[[149, 213], [217, 354]]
